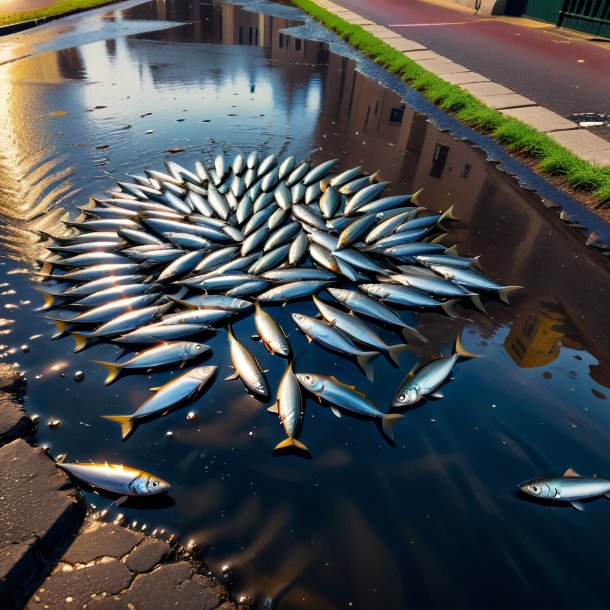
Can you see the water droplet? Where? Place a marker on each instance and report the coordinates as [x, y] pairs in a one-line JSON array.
[[25, 348], [191, 416], [79, 376], [169, 434], [54, 423]]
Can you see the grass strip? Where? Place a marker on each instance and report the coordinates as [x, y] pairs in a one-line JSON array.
[[63, 7], [514, 135]]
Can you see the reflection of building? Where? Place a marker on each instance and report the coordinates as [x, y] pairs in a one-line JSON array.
[[534, 340]]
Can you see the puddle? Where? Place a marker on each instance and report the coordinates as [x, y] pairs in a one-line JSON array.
[[433, 522]]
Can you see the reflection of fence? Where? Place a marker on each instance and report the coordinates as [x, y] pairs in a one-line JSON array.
[[591, 16]]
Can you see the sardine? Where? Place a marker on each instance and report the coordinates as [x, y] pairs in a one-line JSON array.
[[247, 368], [271, 334]]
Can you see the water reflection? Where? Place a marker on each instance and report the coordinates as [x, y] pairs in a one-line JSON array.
[[362, 523]]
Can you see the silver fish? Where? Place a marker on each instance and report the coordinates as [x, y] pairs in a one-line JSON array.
[[154, 333], [108, 295], [364, 196], [270, 260], [117, 478], [298, 273], [270, 332], [292, 290], [298, 248], [166, 397], [247, 368], [161, 355], [318, 172], [297, 174], [346, 397], [289, 407], [571, 487], [334, 339]]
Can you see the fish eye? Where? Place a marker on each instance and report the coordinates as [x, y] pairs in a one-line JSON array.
[[535, 489], [402, 397], [198, 346], [307, 378], [155, 483]]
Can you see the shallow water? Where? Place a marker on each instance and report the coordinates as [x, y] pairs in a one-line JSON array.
[[433, 522]]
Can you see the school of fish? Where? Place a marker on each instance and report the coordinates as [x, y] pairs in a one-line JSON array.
[[171, 257]]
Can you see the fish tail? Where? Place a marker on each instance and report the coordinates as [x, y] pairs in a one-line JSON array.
[[438, 239], [387, 423], [291, 442], [59, 324], [415, 198], [375, 177], [449, 308], [477, 263], [49, 300], [452, 250], [47, 268], [459, 348], [114, 370], [448, 215], [504, 292], [476, 301], [394, 350], [365, 364], [127, 423], [80, 341], [408, 332]]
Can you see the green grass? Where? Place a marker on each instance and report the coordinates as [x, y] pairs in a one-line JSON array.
[[63, 7], [515, 136]]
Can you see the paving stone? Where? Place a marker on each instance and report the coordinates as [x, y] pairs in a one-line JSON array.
[[403, 44], [67, 589], [167, 587], [14, 422], [584, 144], [460, 78], [486, 88], [441, 66], [540, 118], [380, 31], [99, 539], [146, 555], [37, 503], [511, 100], [422, 54]]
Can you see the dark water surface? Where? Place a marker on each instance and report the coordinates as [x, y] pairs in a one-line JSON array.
[[434, 522]]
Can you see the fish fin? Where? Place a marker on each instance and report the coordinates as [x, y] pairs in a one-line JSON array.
[[437, 239], [309, 339], [452, 250], [577, 505], [47, 268], [291, 442], [607, 495], [476, 301], [570, 473], [408, 332], [395, 350], [127, 423], [504, 292], [156, 388], [365, 364], [60, 325], [387, 423], [352, 387], [283, 331], [594, 475], [436, 395], [477, 263], [80, 341], [459, 348], [415, 198], [120, 501], [232, 377], [274, 408], [449, 308], [335, 411], [61, 458], [49, 300], [448, 215], [375, 177], [114, 370]]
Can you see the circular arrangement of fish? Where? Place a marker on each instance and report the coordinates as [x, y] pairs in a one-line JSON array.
[[176, 256]]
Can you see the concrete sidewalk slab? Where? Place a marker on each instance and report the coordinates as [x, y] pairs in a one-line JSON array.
[[486, 89], [461, 78], [403, 45], [443, 66], [584, 144], [510, 100], [540, 118], [422, 54], [381, 32]]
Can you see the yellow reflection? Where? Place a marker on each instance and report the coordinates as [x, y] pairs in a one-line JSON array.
[[534, 340]]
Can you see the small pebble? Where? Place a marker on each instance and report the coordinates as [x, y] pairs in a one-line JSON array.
[[169, 434], [191, 416], [25, 348], [54, 423], [79, 376]]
